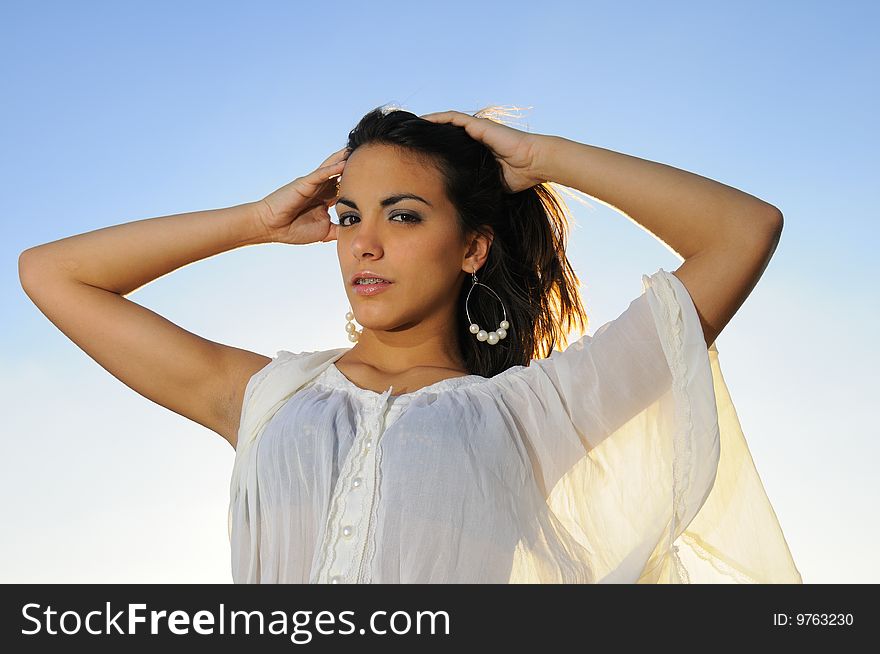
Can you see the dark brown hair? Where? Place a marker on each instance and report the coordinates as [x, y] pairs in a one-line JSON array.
[[527, 266]]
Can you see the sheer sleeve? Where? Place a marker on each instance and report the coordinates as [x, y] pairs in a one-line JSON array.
[[611, 377], [643, 462], [266, 391]]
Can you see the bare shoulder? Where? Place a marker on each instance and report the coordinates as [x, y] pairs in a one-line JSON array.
[[239, 366]]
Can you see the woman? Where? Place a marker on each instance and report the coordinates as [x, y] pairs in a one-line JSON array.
[[453, 442]]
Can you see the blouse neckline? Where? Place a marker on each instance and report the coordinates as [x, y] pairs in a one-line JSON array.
[[337, 379]]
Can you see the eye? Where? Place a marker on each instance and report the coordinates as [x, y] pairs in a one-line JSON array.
[[411, 218]]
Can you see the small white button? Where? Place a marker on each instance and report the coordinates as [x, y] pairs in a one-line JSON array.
[[357, 482], [347, 531], [368, 444], [336, 580]]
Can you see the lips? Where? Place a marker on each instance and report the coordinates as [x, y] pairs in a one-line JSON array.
[[372, 288]]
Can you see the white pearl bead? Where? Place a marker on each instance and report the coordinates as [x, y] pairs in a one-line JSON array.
[[492, 338], [336, 580], [357, 482], [353, 337], [482, 335], [504, 324], [502, 333], [350, 328], [347, 531], [349, 316], [474, 328], [368, 444]]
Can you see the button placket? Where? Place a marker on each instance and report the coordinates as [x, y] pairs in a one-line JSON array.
[[352, 500]]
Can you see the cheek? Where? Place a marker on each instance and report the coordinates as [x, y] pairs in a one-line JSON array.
[[433, 268], [433, 254]]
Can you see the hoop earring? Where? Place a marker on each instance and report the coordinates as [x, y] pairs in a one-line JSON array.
[[353, 333], [482, 335]]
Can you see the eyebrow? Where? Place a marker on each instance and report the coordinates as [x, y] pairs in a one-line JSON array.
[[387, 202]]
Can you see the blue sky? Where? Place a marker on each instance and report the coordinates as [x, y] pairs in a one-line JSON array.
[[115, 112]]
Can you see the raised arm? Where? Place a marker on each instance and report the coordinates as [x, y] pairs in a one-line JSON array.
[[80, 284], [725, 236]]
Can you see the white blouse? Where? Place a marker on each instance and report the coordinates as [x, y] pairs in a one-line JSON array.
[[617, 460]]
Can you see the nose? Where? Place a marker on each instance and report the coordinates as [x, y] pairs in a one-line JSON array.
[[366, 240]]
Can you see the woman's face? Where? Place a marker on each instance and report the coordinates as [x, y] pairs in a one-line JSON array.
[[414, 242]]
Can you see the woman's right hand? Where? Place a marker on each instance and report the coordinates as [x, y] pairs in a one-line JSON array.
[[297, 213]]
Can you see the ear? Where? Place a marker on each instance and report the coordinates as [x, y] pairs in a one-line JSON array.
[[478, 250]]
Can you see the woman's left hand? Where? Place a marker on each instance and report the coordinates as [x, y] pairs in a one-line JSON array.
[[519, 153]]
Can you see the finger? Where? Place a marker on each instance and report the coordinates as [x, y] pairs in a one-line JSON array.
[[328, 171], [324, 179], [448, 112], [439, 116], [315, 179], [332, 234], [454, 117], [336, 156]]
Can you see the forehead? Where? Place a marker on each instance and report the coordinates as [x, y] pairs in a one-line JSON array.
[[377, 169]]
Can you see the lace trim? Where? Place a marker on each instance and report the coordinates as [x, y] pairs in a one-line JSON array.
[[673, 327], [368, 551], [334, 378], [340, 499], [372, 429], [720, 565], [680, 570]]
